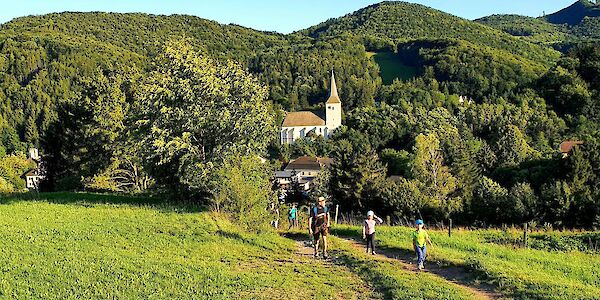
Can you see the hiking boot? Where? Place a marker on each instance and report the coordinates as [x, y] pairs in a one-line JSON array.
[[325, 255], [373, 253]]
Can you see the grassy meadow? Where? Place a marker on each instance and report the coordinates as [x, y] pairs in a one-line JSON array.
[[518, 272], [74, 246]]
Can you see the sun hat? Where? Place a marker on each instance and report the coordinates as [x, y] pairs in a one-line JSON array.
[[370, 213], [419, 222]]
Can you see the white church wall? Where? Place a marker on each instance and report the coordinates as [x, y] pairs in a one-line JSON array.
[[290, 134]]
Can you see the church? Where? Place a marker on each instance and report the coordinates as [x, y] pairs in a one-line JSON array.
[[298, 125]]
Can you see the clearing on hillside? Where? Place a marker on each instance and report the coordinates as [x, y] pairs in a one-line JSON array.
[[391, 67]]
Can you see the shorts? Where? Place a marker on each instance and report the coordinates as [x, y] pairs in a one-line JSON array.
[[320, 231]]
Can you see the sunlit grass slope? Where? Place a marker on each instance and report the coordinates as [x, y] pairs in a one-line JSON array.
[[523, 273], [130, 248]]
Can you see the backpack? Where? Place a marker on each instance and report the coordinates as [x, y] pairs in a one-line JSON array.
[[315, 210]]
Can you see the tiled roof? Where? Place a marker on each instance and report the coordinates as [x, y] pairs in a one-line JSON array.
[[567, 146], [302, 118]]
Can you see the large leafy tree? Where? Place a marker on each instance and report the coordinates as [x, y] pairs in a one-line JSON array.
[[356, 176], [195, 113], [84, 139], [429, 167]]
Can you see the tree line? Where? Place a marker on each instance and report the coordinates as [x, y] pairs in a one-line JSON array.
[[190, 118]]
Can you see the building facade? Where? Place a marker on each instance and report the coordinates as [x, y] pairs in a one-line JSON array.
[[302, 170], [298, 125]]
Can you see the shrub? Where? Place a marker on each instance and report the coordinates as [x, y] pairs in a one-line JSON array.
[[242, 188]]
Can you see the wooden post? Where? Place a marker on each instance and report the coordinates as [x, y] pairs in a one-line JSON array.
[[449, 227], [525, 235], [337, 210]]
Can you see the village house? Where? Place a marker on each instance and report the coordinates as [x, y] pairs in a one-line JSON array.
[[300, 124], [35, 176], [302, 170], [567, 146]]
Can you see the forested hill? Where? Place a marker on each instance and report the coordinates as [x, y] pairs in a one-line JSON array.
[[145, 34], [388, 23], [144, 103], [578, 23]]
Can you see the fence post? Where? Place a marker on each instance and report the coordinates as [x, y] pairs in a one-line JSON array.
[[449, 227], [525, 235], [337, 210]]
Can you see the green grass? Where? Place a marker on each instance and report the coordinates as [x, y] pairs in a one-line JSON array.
[[523, 273], [73, 246], [392, 281], [391, 67], [66, 245]]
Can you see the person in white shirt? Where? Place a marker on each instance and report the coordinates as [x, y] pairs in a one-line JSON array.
[[369, 230]]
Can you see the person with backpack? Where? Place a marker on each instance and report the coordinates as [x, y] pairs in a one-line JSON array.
[[293, 217], [318, 225], [368, 231]]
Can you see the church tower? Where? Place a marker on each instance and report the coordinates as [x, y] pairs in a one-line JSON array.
[[333, 108]]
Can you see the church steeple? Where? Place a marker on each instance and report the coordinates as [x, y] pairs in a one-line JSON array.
[[333, 93], [333, 109]]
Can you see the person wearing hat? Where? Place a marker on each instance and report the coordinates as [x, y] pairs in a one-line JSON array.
[[318, 225], [368, 231], [420, 238]]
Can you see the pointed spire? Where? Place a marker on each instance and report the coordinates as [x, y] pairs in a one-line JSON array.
[[333, 93]]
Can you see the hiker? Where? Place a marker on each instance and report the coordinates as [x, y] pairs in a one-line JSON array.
[[368, 230], [420, 238], [292, 217], [318, 225], [275, 215]]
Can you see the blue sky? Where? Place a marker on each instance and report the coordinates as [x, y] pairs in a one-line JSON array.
[[272, 15]]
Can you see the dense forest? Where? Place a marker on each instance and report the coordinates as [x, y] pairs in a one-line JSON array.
[[562, 30], [137, 103]]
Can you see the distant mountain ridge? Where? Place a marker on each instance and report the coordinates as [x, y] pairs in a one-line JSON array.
[[392, 22], [577, 23], [575, 13]]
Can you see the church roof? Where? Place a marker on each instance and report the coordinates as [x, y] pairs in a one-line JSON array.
[[302, 118], [333, 93]]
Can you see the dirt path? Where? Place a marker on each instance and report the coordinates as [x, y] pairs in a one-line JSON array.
[[454, 275], [305, 251]]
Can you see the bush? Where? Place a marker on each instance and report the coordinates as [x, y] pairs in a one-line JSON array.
[[6, 187], [242, 188]]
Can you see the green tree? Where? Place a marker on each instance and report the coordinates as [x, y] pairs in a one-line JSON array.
[[195, 113], [489, 202], [522, 203], [354, 174], [513, 147], [91, 121], [557, 198], [429, 167], [241, 187]]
